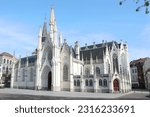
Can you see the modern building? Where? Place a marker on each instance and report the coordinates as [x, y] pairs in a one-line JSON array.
[[56, 66], [139, 69], [6, 64]]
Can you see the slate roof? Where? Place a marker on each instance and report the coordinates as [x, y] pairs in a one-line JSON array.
[[96, 50], [31, 59]]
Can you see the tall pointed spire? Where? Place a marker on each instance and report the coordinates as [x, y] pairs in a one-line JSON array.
[[44, 33], [53, 27], [40, 39], [52, 16], [53, 20]]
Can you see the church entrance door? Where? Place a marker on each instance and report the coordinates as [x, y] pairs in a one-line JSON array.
[[50, 81], [116, 85]]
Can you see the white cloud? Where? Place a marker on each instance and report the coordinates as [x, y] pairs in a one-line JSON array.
[[17, 37]]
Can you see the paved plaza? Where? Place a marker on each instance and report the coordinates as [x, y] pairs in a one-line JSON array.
[[22, 94]]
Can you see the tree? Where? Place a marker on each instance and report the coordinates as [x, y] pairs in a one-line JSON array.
[[144, 4]]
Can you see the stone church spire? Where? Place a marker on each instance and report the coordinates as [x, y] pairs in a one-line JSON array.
[[40, 39], [44, 33], [53, 27]]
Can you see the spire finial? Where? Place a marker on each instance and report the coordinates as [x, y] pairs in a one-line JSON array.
[[45, 19]]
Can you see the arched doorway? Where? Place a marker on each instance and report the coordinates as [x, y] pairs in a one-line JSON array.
[[116, 85], [50, 80]]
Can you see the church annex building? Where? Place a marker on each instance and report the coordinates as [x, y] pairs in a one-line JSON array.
[[56, 66]]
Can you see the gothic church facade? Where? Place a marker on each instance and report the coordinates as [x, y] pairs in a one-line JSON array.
[[56, 66]]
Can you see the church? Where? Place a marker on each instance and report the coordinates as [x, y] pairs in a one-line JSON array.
[[56, 66]]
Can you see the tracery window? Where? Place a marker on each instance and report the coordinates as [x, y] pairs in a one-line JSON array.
[[87, 71], [23, 75], [65, 73], [115, 63], [100, 82], [105, 83], [78, 82], [31, 74], [108, 68], [97, 71], [86, 83], [75, 83], [91, 83]]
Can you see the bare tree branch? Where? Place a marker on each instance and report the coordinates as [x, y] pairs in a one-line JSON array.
[[145, 4]]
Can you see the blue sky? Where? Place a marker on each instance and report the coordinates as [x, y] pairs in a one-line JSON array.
[[83, 20]]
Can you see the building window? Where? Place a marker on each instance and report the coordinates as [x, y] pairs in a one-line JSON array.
[[91, 83], [86, 83], [3, 68], [4, 60], [75, 83], [87, 72], [120, 70], [108, 68], [78, 82], [115, 63], [31, 74], [105, 83], [7, 61], [97, 71], [100, 82], [7, 70], [0, 69], [23, 75], [65, 73], [10, 62]]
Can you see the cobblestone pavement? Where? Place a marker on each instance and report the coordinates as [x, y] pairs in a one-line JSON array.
[[20, 94]]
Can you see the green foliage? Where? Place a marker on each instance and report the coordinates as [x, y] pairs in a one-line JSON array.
[[145, 4]]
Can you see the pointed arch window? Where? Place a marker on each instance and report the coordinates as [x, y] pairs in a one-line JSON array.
[[105, 83], [31, 74], [97, 71], [65, 73], [115, 63], [75, 83], [23, 75], [87, 72], [78, 82], [86, 83], [91, 83], [120, 69], [100, 82]]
